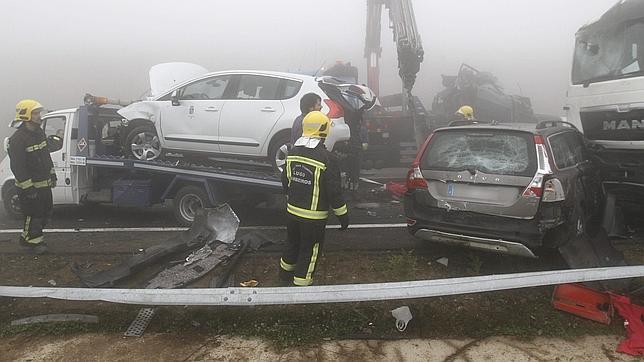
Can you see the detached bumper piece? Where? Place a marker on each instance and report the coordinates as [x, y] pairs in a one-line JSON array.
[[211, 225], [485, 244], [583, 302]]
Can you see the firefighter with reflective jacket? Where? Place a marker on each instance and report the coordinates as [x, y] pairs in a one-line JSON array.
[[311, 181], [33, 169]]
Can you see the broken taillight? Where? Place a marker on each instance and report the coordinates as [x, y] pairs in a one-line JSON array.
[[535, 188], [415, 178], [335, 109], [553, 191]]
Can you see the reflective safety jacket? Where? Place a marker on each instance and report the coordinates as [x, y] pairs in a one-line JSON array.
[[30, 160], [311, 181]]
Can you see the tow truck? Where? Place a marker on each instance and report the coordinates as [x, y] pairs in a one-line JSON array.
[[85, 149]]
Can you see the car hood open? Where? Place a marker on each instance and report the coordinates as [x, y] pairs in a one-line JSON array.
[[165, 75]]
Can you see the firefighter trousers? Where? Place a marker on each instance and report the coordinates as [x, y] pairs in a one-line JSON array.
[[303, 246], [37, 211]]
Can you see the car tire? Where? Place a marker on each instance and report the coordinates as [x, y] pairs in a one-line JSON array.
[[278, 151], [11, 202], [142, 143], [186, 203]]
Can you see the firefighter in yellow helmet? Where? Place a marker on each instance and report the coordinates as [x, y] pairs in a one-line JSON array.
[[34, 172], [311, 181], [465, 113]]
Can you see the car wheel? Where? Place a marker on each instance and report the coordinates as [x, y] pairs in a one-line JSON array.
[[12, 202], [278, 152], [187, 201], [142, 143]]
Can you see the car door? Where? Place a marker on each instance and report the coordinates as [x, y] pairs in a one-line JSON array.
[[250, 115], [55, 126], [192, 124], [577, 173]]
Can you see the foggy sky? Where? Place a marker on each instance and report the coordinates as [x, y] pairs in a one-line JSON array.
[[56, 51]]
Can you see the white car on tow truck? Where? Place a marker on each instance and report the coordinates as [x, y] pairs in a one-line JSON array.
[[232, 114]]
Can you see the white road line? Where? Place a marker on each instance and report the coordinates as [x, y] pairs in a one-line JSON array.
[[174, 229]]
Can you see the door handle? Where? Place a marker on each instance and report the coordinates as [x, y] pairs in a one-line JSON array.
[[212, 109], [268, 109]]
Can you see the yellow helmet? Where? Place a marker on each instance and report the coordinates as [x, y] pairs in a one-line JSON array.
[[467, 112], [316, 124], [25, 108]]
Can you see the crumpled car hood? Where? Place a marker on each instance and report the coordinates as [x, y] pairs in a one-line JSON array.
[[166, 75]]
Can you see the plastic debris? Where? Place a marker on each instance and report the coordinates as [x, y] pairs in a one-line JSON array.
[[583, 301], [403, 316], [249, 283], [51, 282], [633, 315], [372, 213], [396, 189], [443, 261]]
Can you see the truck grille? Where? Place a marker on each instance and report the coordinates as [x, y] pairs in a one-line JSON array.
[[613, 125]]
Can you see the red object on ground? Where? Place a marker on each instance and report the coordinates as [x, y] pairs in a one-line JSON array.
[[397, 189], [633, 315], [584, 302]]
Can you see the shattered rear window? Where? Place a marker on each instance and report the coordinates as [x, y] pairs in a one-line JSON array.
[[488, 151]]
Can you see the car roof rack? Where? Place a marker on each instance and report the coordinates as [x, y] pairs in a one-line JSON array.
[[551, 123]]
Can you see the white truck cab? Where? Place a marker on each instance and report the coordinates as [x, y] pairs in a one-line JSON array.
[[605, 99]]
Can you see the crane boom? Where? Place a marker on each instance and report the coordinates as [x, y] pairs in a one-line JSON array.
[[405, 33]]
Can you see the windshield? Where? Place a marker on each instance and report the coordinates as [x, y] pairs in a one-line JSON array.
[[608, 52], [494, 152]]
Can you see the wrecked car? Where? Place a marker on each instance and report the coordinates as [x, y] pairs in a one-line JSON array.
[[243, 114], [516, 188]]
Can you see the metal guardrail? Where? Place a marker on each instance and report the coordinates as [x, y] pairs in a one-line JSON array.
[[327, 293]]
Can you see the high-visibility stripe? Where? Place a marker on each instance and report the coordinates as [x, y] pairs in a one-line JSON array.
[[37, 147], [302, 282], [25, 229], [341, 210], [24, 184], [286, 266], [314, 258], [36, 240], [288, 171], [316, 189], [307, 214], [308, 161], [42, 184]]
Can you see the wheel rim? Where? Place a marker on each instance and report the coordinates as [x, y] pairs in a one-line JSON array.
[[14, 202], [189, 205], [280, 157], [146, 146]]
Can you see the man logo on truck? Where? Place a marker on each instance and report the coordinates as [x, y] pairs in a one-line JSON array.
[[623, 124]]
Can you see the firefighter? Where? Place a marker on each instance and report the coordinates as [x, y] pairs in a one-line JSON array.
[[465, 113], [311, 181], [33, 169], [464, 116]]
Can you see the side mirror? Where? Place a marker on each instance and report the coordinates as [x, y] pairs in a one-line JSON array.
[[5, 144], [174, 97], [54, 143]]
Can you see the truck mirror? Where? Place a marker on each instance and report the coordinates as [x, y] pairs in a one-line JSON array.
[[54, 143], [174, 97]]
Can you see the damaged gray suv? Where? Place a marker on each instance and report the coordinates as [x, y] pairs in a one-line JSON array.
[[508, 188]]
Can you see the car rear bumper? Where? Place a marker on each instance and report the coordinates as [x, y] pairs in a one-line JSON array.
[[475, 230], [485, 244]]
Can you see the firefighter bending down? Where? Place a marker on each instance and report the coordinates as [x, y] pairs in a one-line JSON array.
[[33, 169], [311, 181]]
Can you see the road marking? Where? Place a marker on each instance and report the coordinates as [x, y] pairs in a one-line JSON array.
[[174, 229]]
